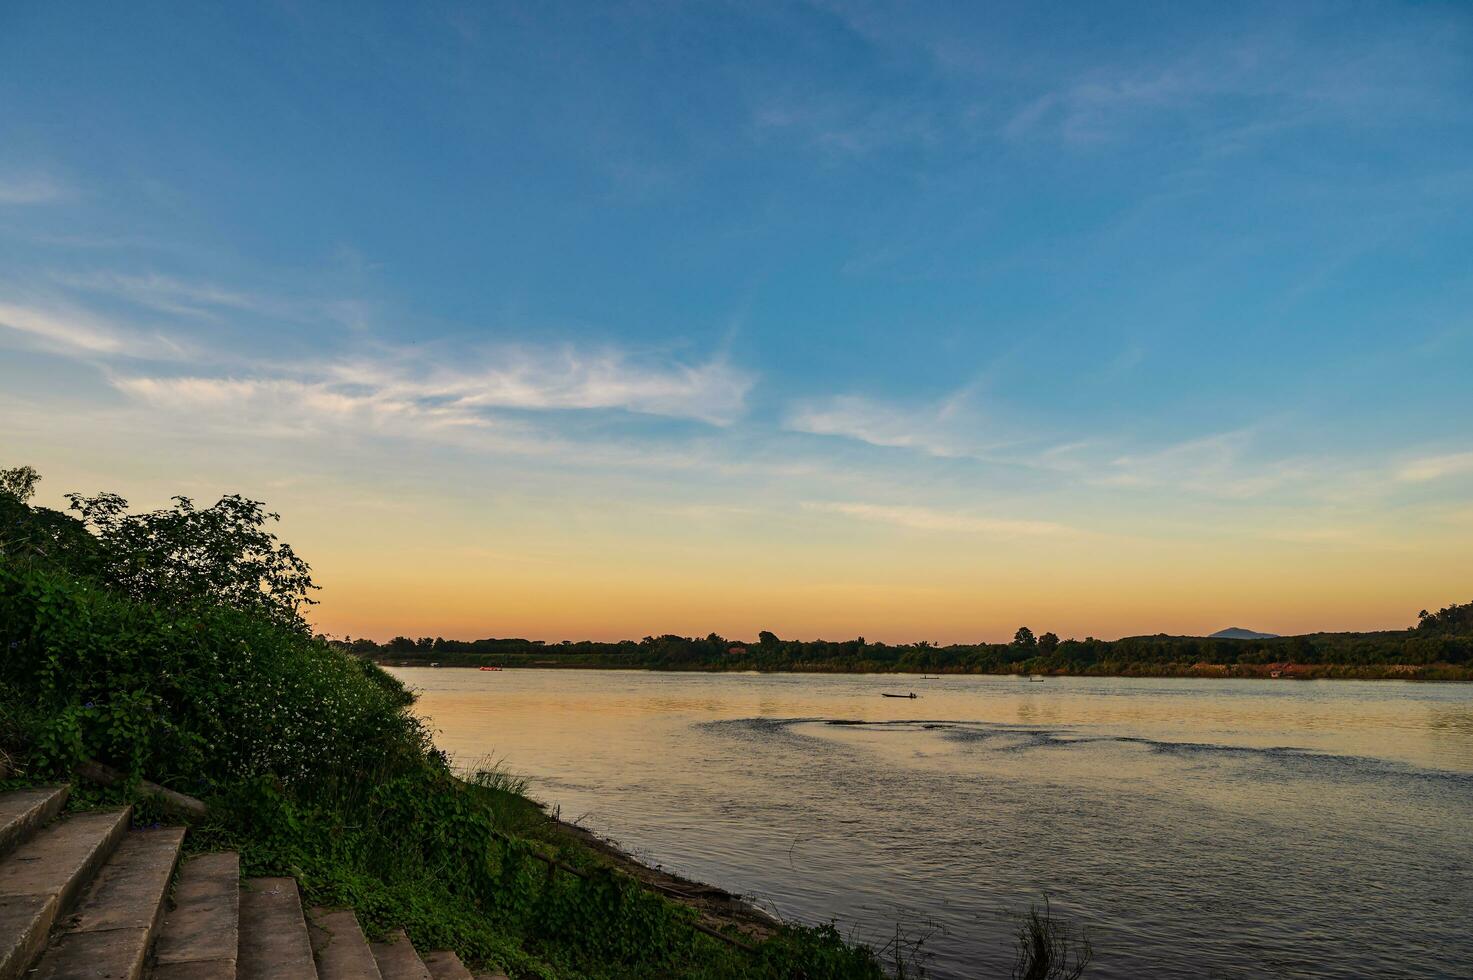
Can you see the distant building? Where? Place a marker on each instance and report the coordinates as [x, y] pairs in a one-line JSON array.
[[737, 651]]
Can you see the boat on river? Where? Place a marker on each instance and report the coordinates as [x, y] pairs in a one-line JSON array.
[[912, 694]]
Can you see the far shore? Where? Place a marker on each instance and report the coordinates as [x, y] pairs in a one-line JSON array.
[[1292, 672]]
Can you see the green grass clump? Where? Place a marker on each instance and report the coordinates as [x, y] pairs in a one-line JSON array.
[[1047, 948]]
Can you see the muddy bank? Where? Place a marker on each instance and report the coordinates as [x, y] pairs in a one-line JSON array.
[[717, 907]]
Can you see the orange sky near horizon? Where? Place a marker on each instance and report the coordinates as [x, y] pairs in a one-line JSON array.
[[530, 549], [886, 584]]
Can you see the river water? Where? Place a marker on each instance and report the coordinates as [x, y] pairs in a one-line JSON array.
[[1197, 828]]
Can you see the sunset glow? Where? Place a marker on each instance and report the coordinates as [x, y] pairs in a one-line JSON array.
[[731, 319]]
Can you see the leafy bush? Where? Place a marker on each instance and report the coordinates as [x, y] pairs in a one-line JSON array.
[[206, 694]]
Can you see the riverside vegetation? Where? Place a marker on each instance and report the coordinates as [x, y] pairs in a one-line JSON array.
[[1438, 648], [172, 646]]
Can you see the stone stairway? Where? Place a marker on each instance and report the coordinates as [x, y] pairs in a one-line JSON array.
[[86, 896]]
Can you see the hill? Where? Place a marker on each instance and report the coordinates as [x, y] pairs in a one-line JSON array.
[[1238, 633]]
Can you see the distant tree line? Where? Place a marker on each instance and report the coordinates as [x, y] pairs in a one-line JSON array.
[[1439, 647]]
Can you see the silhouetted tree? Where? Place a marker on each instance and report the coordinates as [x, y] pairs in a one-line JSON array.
[[1449, 619], [221, 553], [19, 482]]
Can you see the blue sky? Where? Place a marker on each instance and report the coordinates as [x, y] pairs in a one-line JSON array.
[[862, 299]]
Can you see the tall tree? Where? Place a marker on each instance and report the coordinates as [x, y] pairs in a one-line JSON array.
[[181, 554], [19, 482]]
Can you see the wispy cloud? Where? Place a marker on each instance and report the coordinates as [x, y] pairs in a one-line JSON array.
[[282, 407], [165, 294], [444, 381], [1285, 81], [846, 127], [1435, 467], [32, 189], [1225, 465], [949, 428], [1311, 535], [66, 329], [397, 387], [1103, 104], [1221, 465], [201, 299], [566, 378], [927, 519]]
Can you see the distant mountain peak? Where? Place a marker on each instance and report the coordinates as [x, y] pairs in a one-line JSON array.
[[1238, 633]]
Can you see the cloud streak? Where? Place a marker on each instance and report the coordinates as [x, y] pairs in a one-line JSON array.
[[1430, 468], [39, 189], [563, 379], [165, 294], [1353, 81], [373, 392], [1219, 465], [448, 384], [73, 331], [56, 330], [928, 519], [947, 429]]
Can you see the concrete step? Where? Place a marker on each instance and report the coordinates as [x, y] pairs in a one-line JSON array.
[[339, 947], [445, 965], [109, 933], [273, 932], [24, 811], [397, 959], [201, 935], [42, 878]]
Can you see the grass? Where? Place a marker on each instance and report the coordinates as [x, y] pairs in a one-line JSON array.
[[1047, 948]]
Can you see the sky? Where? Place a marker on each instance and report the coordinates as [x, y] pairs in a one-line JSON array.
[[909, 321]]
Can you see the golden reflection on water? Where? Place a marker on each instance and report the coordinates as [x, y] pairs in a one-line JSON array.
[[540, 714]]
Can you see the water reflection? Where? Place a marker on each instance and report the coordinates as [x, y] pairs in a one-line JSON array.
[[1453, 720], [1200, 827]]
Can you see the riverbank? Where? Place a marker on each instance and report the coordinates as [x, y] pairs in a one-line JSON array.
[[717, 907], [1438, 672]]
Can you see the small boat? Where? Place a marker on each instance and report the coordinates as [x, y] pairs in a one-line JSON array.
[[1036, 678], [927, 677], [912, 694], [490, 668]]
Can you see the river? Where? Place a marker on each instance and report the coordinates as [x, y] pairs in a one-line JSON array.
[[1197, 828]]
